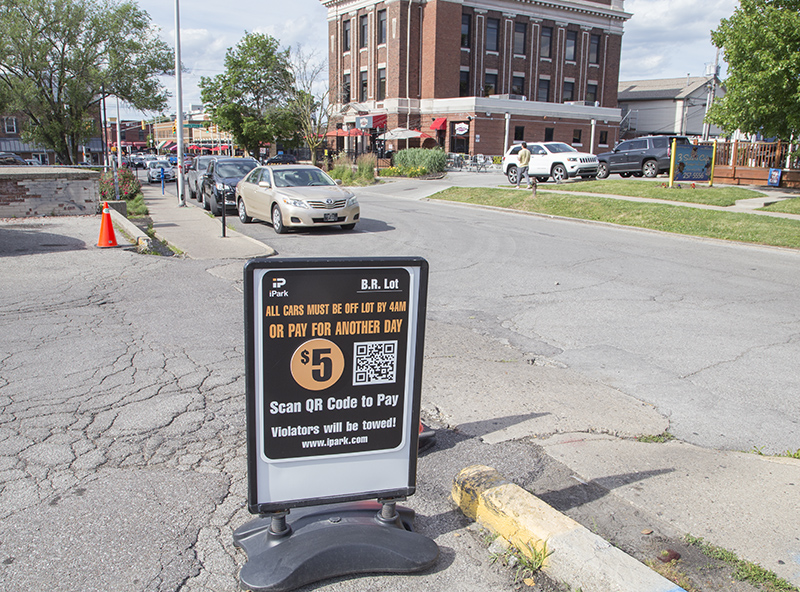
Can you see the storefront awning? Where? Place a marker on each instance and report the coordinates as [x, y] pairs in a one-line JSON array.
[[439, 124]]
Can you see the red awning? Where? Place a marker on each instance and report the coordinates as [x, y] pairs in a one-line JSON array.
[[439, 124], [379, 120]]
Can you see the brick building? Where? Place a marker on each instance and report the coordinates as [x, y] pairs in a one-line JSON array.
[[477, 75]]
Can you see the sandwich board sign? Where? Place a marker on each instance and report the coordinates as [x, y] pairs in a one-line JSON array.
[[333, 374]]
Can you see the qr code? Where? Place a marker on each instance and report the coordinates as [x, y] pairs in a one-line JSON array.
[[375, 362]]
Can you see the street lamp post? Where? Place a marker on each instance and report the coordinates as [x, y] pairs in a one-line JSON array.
[[179, 102]]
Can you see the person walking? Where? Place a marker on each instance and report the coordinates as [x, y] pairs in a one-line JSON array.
[[524, 161]]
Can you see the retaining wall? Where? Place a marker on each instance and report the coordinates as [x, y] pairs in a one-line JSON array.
[[48, 191]]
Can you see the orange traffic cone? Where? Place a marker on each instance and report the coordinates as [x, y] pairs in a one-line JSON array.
[[107, 237]]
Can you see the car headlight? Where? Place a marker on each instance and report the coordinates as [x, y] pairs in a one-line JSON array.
[[572, 159], [220, 186], [353, 201], [297, 203]]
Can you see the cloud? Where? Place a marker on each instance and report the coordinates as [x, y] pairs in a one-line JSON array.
[[670, 38]]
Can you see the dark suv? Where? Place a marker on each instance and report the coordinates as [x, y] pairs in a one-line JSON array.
[[218, 184], [11, 159], [646, 156]]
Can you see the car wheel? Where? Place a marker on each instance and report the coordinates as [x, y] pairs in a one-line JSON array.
[[192, 193], [206, 205], [602, 170], [243, 212], [215, 209], [625, 175], [277, 220], [650, 169], [559, 173], [511, 173], [348, 226]]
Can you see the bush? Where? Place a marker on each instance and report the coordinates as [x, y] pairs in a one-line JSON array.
[[366, 167], [432, 160], [129, 185]]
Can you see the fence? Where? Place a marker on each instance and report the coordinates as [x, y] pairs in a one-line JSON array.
[[748, 163]]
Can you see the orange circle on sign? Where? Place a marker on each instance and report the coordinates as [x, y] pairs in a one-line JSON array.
[[317, 364]]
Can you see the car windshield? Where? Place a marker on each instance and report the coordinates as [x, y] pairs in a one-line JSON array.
[[235, 169], [559, 147], [301, 178], [158, 164]]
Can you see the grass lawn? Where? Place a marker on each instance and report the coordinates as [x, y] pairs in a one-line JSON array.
[[787, 206], [748, 228], [703, 194]]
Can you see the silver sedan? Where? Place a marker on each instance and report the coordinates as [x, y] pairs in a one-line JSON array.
[[295, 196]]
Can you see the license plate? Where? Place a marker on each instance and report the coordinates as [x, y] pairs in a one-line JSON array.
[[331, 217]]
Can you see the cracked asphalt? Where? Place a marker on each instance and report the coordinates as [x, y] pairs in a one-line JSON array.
[[122, 427]]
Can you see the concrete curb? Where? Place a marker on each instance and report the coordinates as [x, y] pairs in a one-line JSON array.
[[579, 557], [142, 241]]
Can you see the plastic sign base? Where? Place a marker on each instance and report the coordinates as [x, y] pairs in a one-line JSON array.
[[330, 541]]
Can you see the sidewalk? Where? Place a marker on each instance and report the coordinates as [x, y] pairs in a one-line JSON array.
[[194, 232]]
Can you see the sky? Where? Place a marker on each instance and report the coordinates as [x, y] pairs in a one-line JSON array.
[[663, 38]]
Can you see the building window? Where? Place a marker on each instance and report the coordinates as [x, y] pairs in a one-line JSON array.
[[520, 37], [594, 49], [11, 125], [363, 33], [490, 85], [546, 42], [576, 136], [543, 96], [591, 92], [492, 34], [519, 133], [569, 91], [381, 84], [548, 134], [362, 87], [346, 88], [517, 85], [463, 85], [604, 138], [346, 36], [466, 30], [381, 27], [572, 42]]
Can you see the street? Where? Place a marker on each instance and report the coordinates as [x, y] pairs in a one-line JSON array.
[[550, 345]]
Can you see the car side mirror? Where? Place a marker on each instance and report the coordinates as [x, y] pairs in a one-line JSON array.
[[264, 184], [337, 181]]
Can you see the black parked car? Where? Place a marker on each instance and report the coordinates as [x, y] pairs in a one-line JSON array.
[[282, 159], [218, 184], [648, 156], [11, 159]]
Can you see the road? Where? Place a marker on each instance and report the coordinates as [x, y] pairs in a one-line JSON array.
[[705, 332]]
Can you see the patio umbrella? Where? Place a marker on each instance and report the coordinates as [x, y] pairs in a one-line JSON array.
[[400, 133], [356, 132], [336, 133]]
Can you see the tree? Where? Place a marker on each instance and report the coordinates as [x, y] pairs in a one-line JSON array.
[[251, 98], [761, 44], [309, 101], [59, 57]]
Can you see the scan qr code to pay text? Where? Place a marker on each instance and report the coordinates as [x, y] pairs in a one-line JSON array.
[[375, 362]]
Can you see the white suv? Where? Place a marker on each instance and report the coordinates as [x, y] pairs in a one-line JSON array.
[[551, 159]]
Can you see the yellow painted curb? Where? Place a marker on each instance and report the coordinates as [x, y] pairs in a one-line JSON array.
[[578, 557]]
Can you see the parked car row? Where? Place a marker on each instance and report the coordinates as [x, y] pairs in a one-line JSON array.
[[647, 156]]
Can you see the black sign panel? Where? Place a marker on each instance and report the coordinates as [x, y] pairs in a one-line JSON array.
[[334, 361], [334, 364]]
